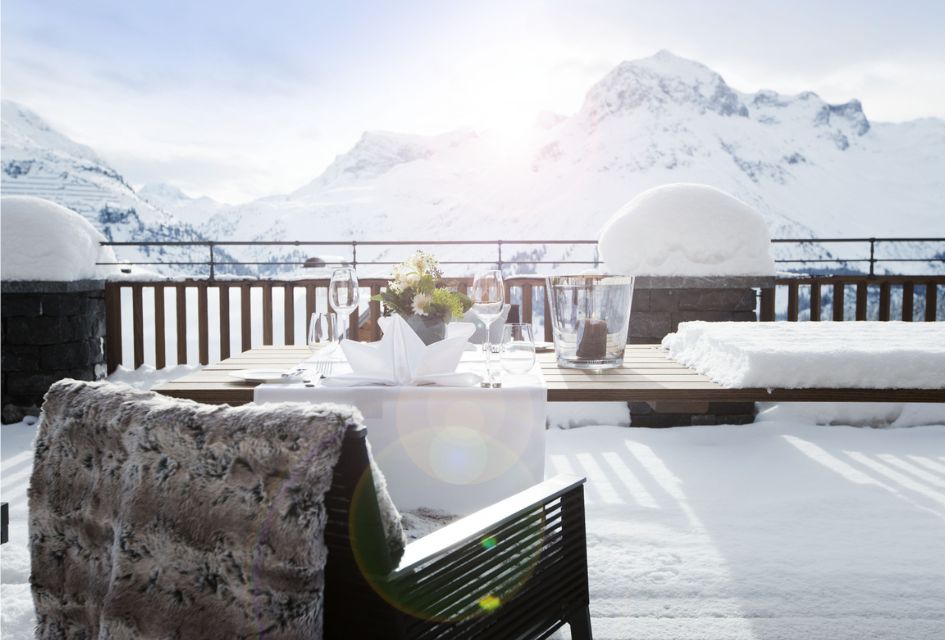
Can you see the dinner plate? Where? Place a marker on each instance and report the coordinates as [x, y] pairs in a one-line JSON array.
[[263, 375]]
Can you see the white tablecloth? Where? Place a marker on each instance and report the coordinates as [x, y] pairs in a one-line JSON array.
[[450, 448]]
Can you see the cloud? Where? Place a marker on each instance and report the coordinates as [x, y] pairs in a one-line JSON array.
[[237, 100]]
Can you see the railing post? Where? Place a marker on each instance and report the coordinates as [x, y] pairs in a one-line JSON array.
[[113, 355], [872, 256], [767, 306], [210, 246], [354, 254], [499, 245]]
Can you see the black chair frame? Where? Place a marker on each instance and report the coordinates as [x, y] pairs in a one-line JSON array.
[[514, 570]]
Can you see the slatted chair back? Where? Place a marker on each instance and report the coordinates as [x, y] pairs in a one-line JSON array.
[[515, 570]]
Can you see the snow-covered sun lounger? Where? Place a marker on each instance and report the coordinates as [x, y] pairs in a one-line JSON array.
[[811, 355]]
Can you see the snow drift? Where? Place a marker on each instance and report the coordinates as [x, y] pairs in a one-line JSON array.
[[686, 230], [798, 355], [42, 240]]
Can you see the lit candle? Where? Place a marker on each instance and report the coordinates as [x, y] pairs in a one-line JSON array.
[[592, 339]]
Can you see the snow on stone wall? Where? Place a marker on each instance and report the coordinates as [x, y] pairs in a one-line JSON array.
[[42, 240], [686, 230]]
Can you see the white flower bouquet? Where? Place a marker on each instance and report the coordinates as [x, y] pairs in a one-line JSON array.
[[417, 289]]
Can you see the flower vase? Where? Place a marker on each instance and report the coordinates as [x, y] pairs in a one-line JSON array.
[[429, 329]]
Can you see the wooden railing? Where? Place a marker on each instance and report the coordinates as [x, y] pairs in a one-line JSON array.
[[880, 288], [191, 319], [192, 313]]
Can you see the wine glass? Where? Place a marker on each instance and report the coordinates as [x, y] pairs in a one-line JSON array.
[[518, 348], [488, 297], [324, 332], [343, 292]]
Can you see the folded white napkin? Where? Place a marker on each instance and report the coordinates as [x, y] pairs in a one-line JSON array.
[[400, 358]]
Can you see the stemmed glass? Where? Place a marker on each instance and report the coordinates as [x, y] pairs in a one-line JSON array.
[[488, 297], [343, 292]]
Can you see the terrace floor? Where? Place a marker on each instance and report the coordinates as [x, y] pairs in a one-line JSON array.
[[774, 530]]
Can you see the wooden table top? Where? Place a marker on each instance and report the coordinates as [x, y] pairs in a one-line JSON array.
[[648, 374]]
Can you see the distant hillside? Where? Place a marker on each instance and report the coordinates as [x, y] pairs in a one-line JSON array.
[[39, 161]]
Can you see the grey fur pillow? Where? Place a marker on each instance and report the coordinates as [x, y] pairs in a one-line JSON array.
[[159, 518]]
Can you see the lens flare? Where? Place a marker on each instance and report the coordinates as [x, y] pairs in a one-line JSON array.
[[490, 603], [489, 543]]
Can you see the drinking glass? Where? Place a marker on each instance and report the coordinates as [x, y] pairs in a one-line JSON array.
[[488, 296], [324, 332], [518, 348], [343, 292]]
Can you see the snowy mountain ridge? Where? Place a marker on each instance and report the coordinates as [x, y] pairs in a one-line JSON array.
[[811, 168], [177, 203], [659, 81], [39, 161]]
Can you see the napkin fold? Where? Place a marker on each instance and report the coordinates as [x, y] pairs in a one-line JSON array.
[[400, 358]]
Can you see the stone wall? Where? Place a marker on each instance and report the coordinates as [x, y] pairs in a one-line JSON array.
[[690, 414], [661, 303], [50, 331]]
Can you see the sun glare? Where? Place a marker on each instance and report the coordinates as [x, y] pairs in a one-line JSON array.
[[503, 90]]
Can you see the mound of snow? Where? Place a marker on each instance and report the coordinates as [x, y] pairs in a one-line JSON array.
[[799, 355], [686, 230], [42, 240]]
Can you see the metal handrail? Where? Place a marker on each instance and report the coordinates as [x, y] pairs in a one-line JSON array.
[[213, 263]]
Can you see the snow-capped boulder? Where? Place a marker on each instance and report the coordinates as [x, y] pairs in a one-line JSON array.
[[686, 230], [41, 240]]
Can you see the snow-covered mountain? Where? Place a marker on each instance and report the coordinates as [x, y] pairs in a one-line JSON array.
[[813, 169], [39, 161], [169, 198]]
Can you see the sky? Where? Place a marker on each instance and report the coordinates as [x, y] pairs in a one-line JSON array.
[[239, 100]]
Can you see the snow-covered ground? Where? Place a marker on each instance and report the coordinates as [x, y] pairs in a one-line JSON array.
[[772, 530], [780, 529]]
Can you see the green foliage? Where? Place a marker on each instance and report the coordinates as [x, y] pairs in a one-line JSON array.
[[417, 288]]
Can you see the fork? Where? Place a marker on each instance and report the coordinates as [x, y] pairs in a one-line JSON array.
[[296, 373], [324, 367]]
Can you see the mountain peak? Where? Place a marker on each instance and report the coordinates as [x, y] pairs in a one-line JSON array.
[[843, 119], [160, 192], [377, 152], [658, 81], [24, 129]]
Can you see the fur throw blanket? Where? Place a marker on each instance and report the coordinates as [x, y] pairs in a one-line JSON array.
[[152, 517]]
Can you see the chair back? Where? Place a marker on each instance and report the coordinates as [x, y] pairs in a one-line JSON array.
[[153, 517], [357, 549]]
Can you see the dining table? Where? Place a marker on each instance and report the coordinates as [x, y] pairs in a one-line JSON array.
[[457, 449], [648, 374]]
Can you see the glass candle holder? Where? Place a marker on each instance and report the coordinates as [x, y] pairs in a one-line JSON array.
[[590, 317]]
